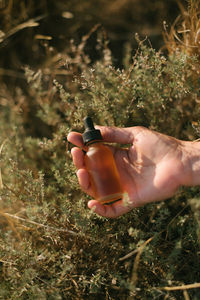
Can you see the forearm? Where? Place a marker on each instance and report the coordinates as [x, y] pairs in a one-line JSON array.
[[191, 161]]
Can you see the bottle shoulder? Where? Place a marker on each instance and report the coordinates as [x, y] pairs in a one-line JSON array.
[[98, 149]]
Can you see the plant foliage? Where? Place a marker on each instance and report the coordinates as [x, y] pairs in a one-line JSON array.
[[51, 246]]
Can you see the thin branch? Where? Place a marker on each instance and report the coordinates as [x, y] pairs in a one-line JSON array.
[[11, 73], [39, 224], [129, 254], [181, 287], [29, 23], [137, 260], [186, 295], [7, 262], [1, 148]]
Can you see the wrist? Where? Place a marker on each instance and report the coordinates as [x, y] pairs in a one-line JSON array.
[[191, 163]]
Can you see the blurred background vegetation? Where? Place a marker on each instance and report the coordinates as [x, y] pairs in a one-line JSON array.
[[60, 60], [29, 30]]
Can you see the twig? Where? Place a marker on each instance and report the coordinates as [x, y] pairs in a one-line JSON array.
[[86, 37], [39, 225], [185, 294], [11, 190], [175, 218], [29, 23], [11, 225], [181, 287], [137, 260], [139, 248], [136, 250], [1, 148], [1, 180], [129, 254], [7, 262], [11, 73], [181, 42]]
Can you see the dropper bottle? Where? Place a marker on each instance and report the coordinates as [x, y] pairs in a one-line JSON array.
[[100, 164]]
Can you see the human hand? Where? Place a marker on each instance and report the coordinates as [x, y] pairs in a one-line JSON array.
[[151, 169]]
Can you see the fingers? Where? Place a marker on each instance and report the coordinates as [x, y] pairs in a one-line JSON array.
[[76, 139], [111, 210], [78, 157], [82, 174], [117, 135], [83, 179], [109, 134]]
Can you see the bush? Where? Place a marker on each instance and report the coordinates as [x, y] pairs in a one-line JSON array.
[[51, 246]]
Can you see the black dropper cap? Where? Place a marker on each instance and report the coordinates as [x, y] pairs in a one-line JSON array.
[[90, 134]]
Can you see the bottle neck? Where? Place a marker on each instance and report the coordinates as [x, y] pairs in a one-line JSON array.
[[93, 142]]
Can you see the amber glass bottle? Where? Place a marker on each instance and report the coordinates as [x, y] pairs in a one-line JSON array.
[[101, 166]]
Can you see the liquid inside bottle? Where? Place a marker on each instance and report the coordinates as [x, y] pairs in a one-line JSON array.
[[100, 164], [103, 173]]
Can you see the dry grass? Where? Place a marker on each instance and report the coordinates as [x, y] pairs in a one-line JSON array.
[[184, 34]]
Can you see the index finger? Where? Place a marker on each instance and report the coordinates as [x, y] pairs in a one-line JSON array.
[[109, 134], [76, 139], [117, 135]]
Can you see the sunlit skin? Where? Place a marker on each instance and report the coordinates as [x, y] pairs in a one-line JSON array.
[[151, 169]]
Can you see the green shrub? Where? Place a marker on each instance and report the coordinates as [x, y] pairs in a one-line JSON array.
[[51, 245]]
